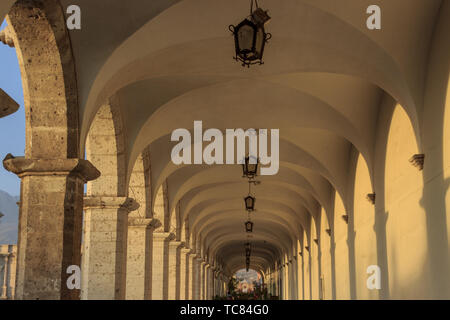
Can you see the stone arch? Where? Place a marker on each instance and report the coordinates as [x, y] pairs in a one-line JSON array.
[[106, 209], [139, 186], [161, 210], [42, 43], [406, 231], [51, 167], [105, 148], [363, 223]]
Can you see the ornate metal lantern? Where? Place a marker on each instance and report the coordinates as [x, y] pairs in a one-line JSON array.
[[247, 246], [249, 203], [250, 167], [250, 37], [249, 226], [248, 253]]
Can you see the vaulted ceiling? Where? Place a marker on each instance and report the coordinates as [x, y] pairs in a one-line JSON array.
[[167, 63]]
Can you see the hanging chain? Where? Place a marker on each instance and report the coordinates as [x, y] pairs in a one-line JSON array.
[[251, 6]]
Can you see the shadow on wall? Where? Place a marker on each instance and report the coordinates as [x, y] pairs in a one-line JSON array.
[[436, 174], [436, 184]]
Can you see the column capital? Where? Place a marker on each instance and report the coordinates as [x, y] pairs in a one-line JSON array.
[[176, 244], [51, 167], [147, 223], [185, 250], [192, 254], [105, 202], [5, 255], [163, 236]]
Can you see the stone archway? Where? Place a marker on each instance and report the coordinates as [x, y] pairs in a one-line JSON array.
[[52, 175]]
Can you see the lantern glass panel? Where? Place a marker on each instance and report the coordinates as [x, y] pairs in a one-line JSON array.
[[252, 167], [246, 36], [259, 44], [252, 164]]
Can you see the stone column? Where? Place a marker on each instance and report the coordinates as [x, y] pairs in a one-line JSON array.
[[12, 273], [210, 291], [202, 265], [105, 247], [199, 263], [174, 269], [50, 216], [184, 273], [192, 275], [214, 283], [5, 278], [160, 265], [207, 281], [139, 258], [217, 284]]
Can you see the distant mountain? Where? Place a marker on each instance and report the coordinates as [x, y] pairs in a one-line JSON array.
[[10, 221]]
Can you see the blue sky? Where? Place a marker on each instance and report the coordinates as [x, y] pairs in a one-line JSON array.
[[12, 128]]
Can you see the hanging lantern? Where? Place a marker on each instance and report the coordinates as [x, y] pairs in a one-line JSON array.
[[250, 167], [250, 37], [249, 203], [249, 226], [248, 253], [248, 246]]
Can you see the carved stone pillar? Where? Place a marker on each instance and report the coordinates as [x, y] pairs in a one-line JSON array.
[[50, 216], [207, 279], [192, 275], [160, 265], [105, 247], [184, 273], [12, 273], [139, 258], [210, 283], [198, 278], [174, 269], [5, 278]]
